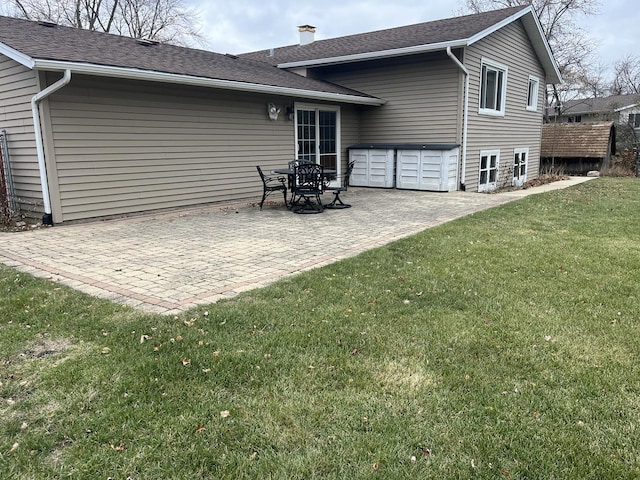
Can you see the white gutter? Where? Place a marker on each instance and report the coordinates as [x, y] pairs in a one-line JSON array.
[[154, 76], [465, 114], [359, 57], [66, 78]]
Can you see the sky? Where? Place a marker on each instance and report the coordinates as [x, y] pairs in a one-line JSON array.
[[246, 25]]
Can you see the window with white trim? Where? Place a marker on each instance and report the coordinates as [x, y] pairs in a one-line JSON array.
[[532, 94], [489, 162], [520, 165], [634, 120], [493, 87]]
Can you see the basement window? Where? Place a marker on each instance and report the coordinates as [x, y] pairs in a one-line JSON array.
[[489, 162]]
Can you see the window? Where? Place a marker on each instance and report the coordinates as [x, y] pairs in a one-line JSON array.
[[532, 95], [493, 84], [489, 160], [634, 120], [574, 119], [520, 157]]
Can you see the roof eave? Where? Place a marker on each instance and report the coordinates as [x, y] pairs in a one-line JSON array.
[[361, 57], [538, 40], [619, 109], [14, 54], [164, 77]]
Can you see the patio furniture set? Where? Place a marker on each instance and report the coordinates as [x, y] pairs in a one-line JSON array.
[[306, 182]]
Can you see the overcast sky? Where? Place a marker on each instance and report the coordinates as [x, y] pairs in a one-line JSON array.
[[246, 25]]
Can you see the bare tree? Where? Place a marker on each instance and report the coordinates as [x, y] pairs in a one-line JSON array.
[[571, 46], [170, 21], [627, 76], [163, 20]]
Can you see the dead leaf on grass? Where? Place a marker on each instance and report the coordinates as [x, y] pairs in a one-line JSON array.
[[186, 362], [225, 413], [119, 448], [200, 428]]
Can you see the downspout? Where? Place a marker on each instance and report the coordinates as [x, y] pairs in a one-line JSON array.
[[465, 115], [47, 218]]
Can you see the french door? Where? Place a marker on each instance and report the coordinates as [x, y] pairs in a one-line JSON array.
[[318, 135]]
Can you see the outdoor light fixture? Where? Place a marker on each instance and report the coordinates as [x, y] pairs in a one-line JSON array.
[[289, 112]]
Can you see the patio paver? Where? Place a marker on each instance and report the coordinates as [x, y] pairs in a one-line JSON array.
[[170, 262]]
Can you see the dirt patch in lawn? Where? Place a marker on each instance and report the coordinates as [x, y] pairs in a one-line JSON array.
[[41, 349]]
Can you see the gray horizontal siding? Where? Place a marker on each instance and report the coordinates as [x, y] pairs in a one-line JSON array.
[[123, 147], [421, 92], [350, 131], [519, 128], [18, 85]]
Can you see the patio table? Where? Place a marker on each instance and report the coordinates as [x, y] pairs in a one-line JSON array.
[[328, 173]]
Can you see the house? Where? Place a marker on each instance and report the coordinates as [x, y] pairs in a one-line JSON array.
[[578, 148], [622, 109], [101, 125]]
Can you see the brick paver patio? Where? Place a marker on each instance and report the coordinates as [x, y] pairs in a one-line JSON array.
[[172, 261]]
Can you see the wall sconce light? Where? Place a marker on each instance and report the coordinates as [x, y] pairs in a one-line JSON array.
[[289, 112]]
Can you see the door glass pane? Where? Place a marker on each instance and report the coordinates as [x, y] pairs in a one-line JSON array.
[[318, 137], [307, 135], [328, 154]]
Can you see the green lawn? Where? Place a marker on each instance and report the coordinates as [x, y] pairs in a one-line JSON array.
[[501, 345]]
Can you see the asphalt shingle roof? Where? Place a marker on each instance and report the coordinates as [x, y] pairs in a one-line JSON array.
[[439, 31], [67, 44], [601, 104]]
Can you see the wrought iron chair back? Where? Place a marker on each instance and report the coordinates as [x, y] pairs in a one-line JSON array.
[[337, 202], [307, 188], [272, 184]]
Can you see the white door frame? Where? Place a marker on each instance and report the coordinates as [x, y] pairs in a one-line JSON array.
[[317, 108]]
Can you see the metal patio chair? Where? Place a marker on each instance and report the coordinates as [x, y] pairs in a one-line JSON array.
[[337, 202], [307, 188], [272, 184]]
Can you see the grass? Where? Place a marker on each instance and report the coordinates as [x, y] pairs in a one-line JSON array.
[[501, 345]]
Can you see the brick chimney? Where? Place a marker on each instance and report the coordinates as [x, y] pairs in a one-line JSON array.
[[307, 34]]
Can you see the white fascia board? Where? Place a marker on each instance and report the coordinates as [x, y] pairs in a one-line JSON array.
[[164, 77], [633, 105], [495, 27], [360, 57], [550, 62], [14, 54]]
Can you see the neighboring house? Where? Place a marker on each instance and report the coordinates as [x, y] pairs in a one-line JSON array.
[[621, 109], [101, 125], [577, 148]]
